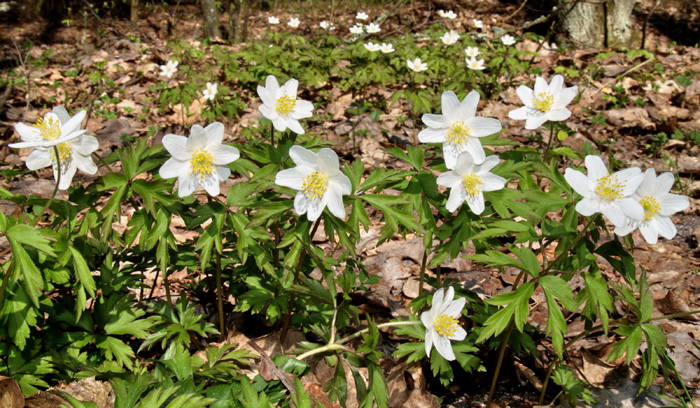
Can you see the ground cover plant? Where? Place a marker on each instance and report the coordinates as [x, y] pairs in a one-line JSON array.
[[347, 210]]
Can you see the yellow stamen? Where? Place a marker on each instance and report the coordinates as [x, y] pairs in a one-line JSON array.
[[49, 128], [315, 185], [472, 184], [543, 101], [446, 325], [285, 104], [609, 188], [202, 164], [651, 207], [458, 134]]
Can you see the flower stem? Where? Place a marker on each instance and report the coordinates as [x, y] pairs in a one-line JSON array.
[[501, 354], [272, 134], [220, 298], [55, 188], [549, 142], [421, 278], [5, 281], [285, 327]]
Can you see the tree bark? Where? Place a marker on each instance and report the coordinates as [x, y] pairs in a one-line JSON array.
[[211, 19], [598, 23], [134, 11]]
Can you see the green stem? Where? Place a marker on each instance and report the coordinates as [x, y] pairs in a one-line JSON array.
[[549, 142], [285, 327], [220, 298], [5, 281], [421, 278], [323, 349], [564, 253], [55, 188], [501, 354], [272, 134]]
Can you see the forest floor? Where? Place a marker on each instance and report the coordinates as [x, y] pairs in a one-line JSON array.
[[640, 112]]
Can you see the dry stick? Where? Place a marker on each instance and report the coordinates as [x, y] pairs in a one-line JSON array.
[[617, 78], [284, 377], [646, 23], [22, 62], [516, 11]]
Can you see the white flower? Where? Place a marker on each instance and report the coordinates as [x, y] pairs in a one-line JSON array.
[[57, 130], [372, 47], [472, 52], [653, 194], [293, 22], [281, 106], [417, 65], [478, 24], [198, 160], [273, 20], [387, 48], [450, 37], [319, 182], [442, 323], [508, 40], [545, 102], [356, 29], [606, 193], [473, 63], [169, 69], [447, 14], [372, 28], [210, 91], [458, 128], [327, 25], [469, 180], [362, 16]]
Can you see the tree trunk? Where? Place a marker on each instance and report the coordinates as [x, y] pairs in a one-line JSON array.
[[598, 23], [211, 19], [134, 11]]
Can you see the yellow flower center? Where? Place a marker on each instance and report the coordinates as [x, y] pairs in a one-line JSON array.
[[472, 184], [202, 164], [49, 128], [458, 134], [609, 188], [285, 104], [651, 207], [446, 325], [315, 185], [543, 101]]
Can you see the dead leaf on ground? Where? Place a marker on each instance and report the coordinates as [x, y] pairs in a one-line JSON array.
[[10, 394]]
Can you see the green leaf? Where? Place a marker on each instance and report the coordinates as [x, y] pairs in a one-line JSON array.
[[26, 235], [337, 387], [83, 271], [516, 307]]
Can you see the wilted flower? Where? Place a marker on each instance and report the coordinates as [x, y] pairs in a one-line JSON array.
[[372, 28], [281, 106], [473, 63], [327, 25], [319, 182], [472, 52], [387, 48], [478, 24], [458, 128], [442, 323], [210, 91], [508, 40], [58, 131], [356, 29], [169, 69], [198, 160], [653, 195], [273, 20], [606, 193], [372, 47], [450, 37], [362, 16], [417, 65], [293, 22], [546, 102], [469, 180]]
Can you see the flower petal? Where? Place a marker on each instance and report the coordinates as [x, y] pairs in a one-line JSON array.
[[666, 227], [72, 124], [292, 178], [650, 233], [557, 115], [596, 168], [566, 96], [335, 203], [223, 172], [540, 86], [84, 163], [449, 179], [520, 113], [342, 182], [450, 106], [187, 183], [526, 95], [480, 126], [303, 157], [86, 145], [224, 154], [587, 207], [328, 161], [197, 140], [429, 336], [443, 346], [432, 135], [672, 203], [492, 182], [454, 309], [435, 121], [174, 168], [38, 159], [476, 203], [215, 134], [175, 145], [456, 198], [469, 104]]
